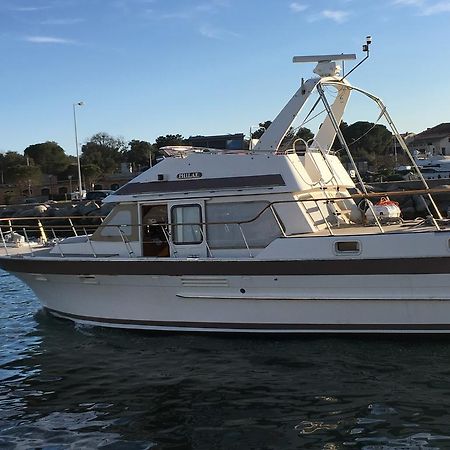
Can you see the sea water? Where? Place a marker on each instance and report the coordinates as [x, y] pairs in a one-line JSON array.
[[68, 386]]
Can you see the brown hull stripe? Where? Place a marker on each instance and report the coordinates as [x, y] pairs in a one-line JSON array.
[[257, 326], [202, 184], [66, 266]]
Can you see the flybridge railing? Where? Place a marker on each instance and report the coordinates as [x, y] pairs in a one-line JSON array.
[[30, 233]]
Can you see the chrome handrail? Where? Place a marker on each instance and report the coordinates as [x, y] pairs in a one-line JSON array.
[[40, 227]]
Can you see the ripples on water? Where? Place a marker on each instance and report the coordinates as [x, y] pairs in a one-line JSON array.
[[66, 386]]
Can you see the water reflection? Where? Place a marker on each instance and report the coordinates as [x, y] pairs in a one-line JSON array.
[[65, 385]]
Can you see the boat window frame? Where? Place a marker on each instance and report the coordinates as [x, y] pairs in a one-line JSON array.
[[343, 252], [224, 201], [132, 236], [173, 225]]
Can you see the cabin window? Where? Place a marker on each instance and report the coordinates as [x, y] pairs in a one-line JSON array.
[[347, 247], [259, 233], [120, 219], [186, 224]]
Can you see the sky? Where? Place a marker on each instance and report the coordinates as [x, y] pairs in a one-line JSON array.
[[145, 68]]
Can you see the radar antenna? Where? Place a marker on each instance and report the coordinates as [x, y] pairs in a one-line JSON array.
[[326, 64]]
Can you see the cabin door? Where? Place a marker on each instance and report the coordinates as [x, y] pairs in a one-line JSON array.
[[155, 230], [187, 229]]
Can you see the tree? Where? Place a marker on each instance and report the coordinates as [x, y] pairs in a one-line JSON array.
[[262, 128], [169, 139], [26, 176], [140, 153], [91, 173], [104, 151], [8, 162], [367, 141], [302, 133], [49, 156]]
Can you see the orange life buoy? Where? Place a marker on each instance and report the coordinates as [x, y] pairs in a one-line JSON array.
[[385, 201]]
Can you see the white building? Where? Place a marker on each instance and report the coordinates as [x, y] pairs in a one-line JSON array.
[[432, 142]]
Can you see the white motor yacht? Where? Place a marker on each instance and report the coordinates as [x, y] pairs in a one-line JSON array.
[[254, 241]]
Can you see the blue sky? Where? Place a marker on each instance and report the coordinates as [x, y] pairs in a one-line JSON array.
[[146, 68]]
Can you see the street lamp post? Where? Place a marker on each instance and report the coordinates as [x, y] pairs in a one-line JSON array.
[[80, 184], [70, 184]]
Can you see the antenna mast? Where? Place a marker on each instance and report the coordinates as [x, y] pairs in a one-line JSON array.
[[365, 49]]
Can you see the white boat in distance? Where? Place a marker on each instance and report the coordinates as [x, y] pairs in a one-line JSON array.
[[254, 241]]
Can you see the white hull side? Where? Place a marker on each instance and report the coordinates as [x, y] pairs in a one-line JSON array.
[[369, 303]]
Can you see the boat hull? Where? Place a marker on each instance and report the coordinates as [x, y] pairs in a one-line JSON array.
[[364, 301]]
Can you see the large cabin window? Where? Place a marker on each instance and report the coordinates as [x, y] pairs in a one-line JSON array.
[[258, 233], [120, 219], [186, 224], [121, 222]]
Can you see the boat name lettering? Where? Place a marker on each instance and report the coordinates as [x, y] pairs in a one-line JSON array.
[[185, 175]]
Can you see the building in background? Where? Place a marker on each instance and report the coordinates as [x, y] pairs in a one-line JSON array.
[[432, 142]]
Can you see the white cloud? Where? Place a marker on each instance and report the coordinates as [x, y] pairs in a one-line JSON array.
[[436, 8], [29, 8], [177, 15], [211, 32], [426, 7], [211, 6], [48, 40], [62, 21], [409, 2], [337, 16], [298, 7]]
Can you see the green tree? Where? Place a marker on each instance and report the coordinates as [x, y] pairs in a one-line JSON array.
[[91, 173], [26, 176], [368, 141], [8, 162], [304, 133], [291, 135], [140, 153], [262, 128], [104, 151], [169, 139], [49, 156]]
